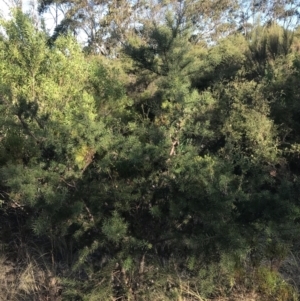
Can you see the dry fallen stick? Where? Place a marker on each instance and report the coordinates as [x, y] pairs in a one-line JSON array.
[[174, 144]]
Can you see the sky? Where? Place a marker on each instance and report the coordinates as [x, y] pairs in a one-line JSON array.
[[28, 6], [5, 6]]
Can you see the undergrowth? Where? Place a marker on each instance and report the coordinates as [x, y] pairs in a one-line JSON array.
[[30, 274]]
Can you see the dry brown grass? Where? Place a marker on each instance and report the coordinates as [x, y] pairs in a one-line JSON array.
[[28, 280]]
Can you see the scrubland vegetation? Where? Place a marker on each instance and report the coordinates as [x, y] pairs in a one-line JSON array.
[[159, 161]]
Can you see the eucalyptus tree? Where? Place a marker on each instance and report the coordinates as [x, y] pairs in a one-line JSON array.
[[114, 22]]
